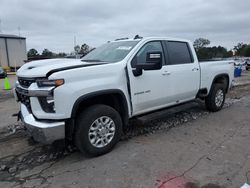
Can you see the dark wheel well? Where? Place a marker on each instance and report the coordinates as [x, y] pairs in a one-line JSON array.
[[222, 79], [115, 99]]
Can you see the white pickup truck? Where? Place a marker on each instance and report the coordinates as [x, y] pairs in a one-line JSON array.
[[90, 100]]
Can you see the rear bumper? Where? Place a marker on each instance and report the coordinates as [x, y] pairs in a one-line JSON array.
[[42, 131]]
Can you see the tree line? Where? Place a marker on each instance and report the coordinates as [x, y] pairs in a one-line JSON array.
[[204, 52], [242, 49], [201, 46], [33, 54]]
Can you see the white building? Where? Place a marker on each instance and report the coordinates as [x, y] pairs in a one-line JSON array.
[[12, 51]]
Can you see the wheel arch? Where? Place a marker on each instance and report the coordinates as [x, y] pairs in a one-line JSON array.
[[222, 79], [113, 97]]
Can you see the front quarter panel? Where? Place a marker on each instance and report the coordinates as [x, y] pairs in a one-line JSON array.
[[82, 81]]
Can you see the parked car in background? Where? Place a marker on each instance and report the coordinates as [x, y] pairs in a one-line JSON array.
[[3, 74], [239, 63], [248, 64]]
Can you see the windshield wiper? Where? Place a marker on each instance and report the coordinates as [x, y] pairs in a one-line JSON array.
[[92, 60]]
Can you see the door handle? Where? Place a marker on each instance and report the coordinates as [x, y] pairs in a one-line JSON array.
[[166, 73], [195, 69]]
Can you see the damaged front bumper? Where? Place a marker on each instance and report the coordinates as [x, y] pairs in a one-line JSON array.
[[42, 131]]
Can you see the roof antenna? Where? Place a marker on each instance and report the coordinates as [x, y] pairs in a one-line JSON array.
[[137, 37], [124, 38]]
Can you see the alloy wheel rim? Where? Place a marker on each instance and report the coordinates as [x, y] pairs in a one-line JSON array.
[[101, 132], [219, 98]]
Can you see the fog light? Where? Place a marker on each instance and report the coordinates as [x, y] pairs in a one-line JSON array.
[[47, 104]]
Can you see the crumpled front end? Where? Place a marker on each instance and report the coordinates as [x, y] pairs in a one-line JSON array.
[[42, 130]]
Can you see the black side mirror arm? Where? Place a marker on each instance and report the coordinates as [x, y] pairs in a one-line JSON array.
[[137, 72]]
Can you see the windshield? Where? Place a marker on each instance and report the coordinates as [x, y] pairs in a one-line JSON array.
[[110, 52]]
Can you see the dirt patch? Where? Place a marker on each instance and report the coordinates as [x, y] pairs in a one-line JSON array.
[[239, 92], [209, 185], [12, 165], [5, 94], [182, 182]]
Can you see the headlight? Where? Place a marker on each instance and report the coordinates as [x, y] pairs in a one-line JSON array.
[[48, 83]]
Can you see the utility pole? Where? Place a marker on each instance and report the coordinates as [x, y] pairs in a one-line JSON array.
[[20, 41], [74, 43]]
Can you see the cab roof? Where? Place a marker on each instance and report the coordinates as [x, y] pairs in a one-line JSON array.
[[151, 38]]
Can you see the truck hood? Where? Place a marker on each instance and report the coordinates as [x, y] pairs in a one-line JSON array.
[[42, 68]]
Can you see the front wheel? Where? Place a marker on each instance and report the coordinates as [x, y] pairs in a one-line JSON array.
[[216, 98], [99, 128]]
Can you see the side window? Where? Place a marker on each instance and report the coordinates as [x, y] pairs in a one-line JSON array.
[[154, 46], [179, 53]]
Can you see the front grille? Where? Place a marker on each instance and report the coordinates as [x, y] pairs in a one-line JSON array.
[[26, 82], [25, 100]]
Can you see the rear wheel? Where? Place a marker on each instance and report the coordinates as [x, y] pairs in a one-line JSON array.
[[216, 98], [99, 128]]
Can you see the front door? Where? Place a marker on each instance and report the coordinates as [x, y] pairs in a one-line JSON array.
[[148, 91]]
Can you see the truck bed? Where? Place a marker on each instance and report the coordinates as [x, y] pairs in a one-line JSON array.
[[211, 69]]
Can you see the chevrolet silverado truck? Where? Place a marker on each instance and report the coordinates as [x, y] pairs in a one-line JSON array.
[[90, 100]]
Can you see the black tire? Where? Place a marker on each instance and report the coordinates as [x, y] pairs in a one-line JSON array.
[[210, 100], [83, 124]]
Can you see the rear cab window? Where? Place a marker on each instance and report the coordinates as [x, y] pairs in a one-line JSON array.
[[178, 52]]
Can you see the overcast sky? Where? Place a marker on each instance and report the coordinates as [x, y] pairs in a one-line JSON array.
[[53, 24]]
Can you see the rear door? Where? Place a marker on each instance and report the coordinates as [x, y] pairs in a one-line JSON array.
[[183, 71]]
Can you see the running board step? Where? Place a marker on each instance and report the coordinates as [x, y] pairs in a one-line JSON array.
[[168, 112]]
